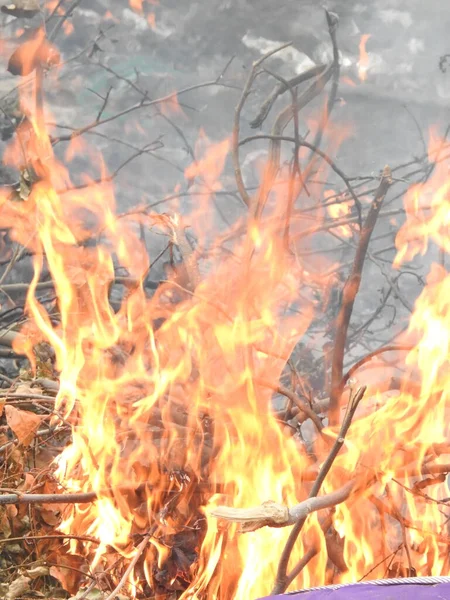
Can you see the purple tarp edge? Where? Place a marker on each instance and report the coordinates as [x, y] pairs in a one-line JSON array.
[[439, 591]]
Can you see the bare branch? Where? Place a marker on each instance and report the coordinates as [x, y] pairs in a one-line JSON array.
[[283, 579], [351, 289], [237, 118], [280, 89]]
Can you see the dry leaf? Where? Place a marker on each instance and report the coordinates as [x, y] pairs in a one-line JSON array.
[[24, 389], [18, 587], [69, 570], [23, 423], [38, 572], [11, 511], [5, 527], [27, 483], [50, 517], [25, 9]]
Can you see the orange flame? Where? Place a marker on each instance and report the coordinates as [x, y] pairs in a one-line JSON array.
[[363, 57], [157, 411], [337, 211], [137, 5]]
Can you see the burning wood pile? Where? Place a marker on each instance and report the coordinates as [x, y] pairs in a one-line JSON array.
[[168, 440]]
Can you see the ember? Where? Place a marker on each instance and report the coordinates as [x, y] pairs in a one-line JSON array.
[[209, 434]]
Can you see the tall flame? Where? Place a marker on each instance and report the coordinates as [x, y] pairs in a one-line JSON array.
[[363, 62], [167, 392]]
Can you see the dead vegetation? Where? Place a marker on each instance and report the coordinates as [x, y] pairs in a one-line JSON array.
[[169, 451]]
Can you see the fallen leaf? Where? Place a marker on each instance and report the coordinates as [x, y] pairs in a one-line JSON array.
[[27, 483], [50, 517], [18, 587], [38, 572], [5, 527], [11, 511], [68, 571], [22, 9], [23, 423], [24, 389]]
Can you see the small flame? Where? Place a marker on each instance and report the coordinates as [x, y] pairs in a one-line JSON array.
[[338, 210], [137, 6], [363, 63]]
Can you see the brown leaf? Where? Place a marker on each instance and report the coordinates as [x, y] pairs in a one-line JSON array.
[[23, 389], [50, 517], [22, 9], [11, 511], [5, 527], [27, 482], [68, 572], [23, 423]]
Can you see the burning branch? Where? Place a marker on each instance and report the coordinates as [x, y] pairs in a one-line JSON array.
[[272, 514], [283, 579], [350, 292], [165, 389]]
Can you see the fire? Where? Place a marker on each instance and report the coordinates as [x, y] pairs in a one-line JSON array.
[[363, 57], [337, 211], [172, 420], [137, 5]]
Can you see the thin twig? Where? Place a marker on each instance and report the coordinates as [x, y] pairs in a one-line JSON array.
[[350, 292], [138, 106], [296, 169], [139, 551], [371, 355], [322, 154], [332, 22], [68, 13], [280, 89], [305, 408], [283, 579], [237, 118]]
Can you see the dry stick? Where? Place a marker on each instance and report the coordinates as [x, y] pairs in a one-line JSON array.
[[349, 295], [87, 592], [283, 579], [332, 22], [326, 158], [57, 536], [49, 285], [371, 355], [63, 18], [138, 106], [83, 497], [280, 89], [292, 396], [285, 116], [281, 122], [272, 514], [236, 126], [393, 512], [312, 552], [139, 551], [295, 169]]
